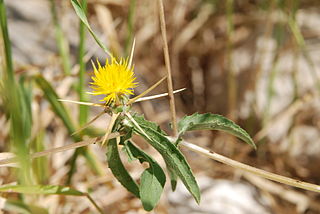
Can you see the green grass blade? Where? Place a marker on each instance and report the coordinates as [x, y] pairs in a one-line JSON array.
[[16, 104], [46, 190], [40, 165], [62, 42], [82, 15], [83, 110], [57, 106], [130, 25], [41, 189], [6, 41], [61, 111]]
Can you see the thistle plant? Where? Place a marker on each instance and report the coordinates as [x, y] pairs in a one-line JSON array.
[[115, 81]]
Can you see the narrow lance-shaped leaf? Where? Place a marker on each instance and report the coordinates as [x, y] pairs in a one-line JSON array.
[[170, 153], [152, 180], [118, 169], [173, 177], [56, 105], [41, 189], [154, 126], [210, 121], [82, 15]]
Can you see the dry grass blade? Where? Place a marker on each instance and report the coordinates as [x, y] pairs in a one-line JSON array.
[[8, 156], [109, 129], [89, 123], [4, 162]]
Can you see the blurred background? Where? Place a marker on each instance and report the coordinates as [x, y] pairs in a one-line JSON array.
[[253, 61]]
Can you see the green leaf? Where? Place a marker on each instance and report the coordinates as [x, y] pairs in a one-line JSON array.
[[41, 189], [118, 169], [152, 180], [82, 15], [210, 121], [40, 165], [170, 153], [26, 100], [173, 177], [143, 122]]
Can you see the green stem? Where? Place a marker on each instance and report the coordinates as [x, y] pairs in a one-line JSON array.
[[130, 26], [61, 41], [271, 89], [83, 110], [231, 78], [6, 40], [15, 105], [94, 203]]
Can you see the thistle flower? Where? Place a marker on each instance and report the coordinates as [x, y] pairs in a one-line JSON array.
[[114, 79]]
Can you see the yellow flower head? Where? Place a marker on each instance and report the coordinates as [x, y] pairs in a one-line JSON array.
[[115, 80]]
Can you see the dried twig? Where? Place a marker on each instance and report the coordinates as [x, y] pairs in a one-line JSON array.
[[168, 68], [59, 149], [253, 170]]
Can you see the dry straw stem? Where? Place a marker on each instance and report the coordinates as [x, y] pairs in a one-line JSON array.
[[168, 67], [109, 128], [94, 203], [253, 170], [89, 123], [192, 147], [60, 149]]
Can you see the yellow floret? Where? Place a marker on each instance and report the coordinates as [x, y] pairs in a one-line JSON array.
[[115, 80]]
